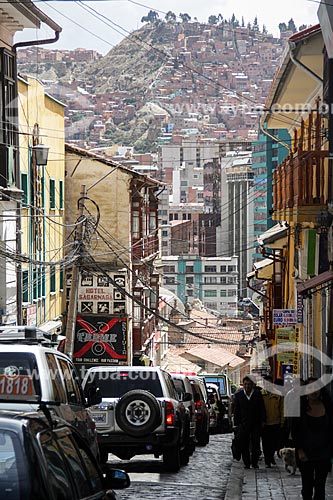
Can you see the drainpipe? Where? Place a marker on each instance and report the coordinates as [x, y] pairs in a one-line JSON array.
[[28, 43]]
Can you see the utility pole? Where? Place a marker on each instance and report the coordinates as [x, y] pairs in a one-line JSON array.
[[72, 306]]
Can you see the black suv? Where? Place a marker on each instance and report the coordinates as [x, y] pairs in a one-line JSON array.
[[140, 413], [44, 458]]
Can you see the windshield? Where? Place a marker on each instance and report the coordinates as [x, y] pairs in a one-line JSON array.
[[116, 384], [219, 381], [13, 476]]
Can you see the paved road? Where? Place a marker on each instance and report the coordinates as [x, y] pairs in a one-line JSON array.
[[204, 478]]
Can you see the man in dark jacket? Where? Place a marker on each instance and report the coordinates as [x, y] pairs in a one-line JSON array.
[[249, 417]]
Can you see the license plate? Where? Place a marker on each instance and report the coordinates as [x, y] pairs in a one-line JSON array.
[[99, 418]]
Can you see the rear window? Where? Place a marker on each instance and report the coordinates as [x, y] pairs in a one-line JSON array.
[[220, 382], [116, 384], [19, 376], [179, 384]]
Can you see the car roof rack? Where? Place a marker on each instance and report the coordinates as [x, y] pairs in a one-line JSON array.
[[25, 335]]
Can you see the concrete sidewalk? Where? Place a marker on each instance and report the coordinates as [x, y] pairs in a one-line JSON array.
[[267, 484]]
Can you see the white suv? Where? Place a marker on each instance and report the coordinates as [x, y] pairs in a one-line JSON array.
[[32, 373], [140, 413]]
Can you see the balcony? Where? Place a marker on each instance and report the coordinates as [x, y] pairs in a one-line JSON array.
[[300, 188]]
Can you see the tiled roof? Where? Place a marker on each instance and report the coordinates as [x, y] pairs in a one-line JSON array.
[[215, 355]]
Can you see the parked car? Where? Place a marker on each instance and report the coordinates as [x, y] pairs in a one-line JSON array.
[[202, 409], [184, 389], [226, 390], [31, 371], [140, 413], [219, 409], [45, 458]]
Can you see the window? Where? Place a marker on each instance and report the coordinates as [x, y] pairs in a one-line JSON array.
[[136, 224], [232, 269], [61, 280], [52, 279], [189, 293], [210, 269], [169, 269], [25, 286], [61, 194], [164, 233], [223, 293], [86, 484], [223, 280], [72, 388], [231, 293], [189, 280], [24, 187], [210, 279], [169, 280], [52, 194], [59, 481], [189, 269], [223, 269], [210, 293], [55, 377]]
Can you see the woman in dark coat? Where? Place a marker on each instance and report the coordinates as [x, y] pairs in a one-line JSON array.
[[312, 434]]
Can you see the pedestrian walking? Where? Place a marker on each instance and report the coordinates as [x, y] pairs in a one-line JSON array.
[[249, 416], [312, 433], [272, 428]]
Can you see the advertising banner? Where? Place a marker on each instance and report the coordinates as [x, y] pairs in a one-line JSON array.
[[100, 340]]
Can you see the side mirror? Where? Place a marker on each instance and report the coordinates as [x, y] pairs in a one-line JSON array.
[[94, 396], [187, 396], [115, 478]]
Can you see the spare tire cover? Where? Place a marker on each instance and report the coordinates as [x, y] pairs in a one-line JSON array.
[[138, 413]]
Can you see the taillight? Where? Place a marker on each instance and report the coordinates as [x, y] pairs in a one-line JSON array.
[[169, 413], [198, 407]]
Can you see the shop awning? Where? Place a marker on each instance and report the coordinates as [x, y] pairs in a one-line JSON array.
[[315, 281], [51, 327]]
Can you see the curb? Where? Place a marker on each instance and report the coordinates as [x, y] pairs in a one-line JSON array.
[[235, 481]]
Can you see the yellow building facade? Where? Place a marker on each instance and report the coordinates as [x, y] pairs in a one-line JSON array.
[[41, 123]]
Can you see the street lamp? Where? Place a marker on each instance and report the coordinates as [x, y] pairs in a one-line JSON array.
[[40, 153]]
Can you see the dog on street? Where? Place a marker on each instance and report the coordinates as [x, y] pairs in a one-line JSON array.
[[289, 458]]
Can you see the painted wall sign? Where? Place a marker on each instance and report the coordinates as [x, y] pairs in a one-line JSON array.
[[97, 295], [284, 316], [100, 340]]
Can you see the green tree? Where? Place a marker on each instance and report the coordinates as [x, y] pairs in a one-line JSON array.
[[151, 18], [255, 26], [292, 26], [243, 22], [212, 20], [232, 20], [220, 18], [282, 27], [170, 17], [302, 27], [264, 30], [185, 17]]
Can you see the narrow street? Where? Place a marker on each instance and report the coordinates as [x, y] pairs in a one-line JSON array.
[[204, 478]]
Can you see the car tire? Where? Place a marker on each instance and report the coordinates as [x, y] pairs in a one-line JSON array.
[[138, 413], [184, 456], [172, 459], [203, 439], [103, 456]]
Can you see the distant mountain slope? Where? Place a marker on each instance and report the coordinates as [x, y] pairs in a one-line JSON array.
[[134, 63]]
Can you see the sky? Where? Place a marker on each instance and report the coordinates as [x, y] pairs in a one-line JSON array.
[[83, 26]]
